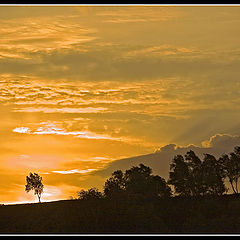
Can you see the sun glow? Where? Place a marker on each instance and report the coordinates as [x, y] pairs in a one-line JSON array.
[[21, 130]]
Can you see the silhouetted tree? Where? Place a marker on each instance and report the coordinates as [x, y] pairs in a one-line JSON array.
[[231, 167], [89, 194], [193, 177], [213, 183], [195, 173], [34, 182], [136, 181], [157, 187], [179, 176], [115, 185], [140, 181]]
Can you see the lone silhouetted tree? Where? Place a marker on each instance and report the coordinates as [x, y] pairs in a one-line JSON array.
[[34, 182]]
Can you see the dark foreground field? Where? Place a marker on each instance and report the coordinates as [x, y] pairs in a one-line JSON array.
[[175, 215]]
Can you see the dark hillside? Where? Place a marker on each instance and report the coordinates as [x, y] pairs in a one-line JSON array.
[[174, 215]]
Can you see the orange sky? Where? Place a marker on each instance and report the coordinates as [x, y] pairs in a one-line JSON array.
[[83, 86]]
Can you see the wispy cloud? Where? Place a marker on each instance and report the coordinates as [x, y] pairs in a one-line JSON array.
[[122, 15], [41, 34], [60, 110], [74, 171], [164, 50], [51, 129], [21, 130]]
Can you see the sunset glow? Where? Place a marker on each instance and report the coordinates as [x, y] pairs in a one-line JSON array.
[[84, 86]]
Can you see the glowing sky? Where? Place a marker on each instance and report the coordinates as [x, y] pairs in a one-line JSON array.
[[83, 86]]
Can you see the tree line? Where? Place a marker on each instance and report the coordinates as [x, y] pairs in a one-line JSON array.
[[188, 176]]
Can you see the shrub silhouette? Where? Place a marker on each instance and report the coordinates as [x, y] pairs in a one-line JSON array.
[[34, 182], [89, 194]]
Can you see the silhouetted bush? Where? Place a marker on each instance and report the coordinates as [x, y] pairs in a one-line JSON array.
[[89, 194]]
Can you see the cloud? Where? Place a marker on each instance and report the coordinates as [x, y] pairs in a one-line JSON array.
[[60, 110], [73, 45], [164, 50], [119, 63], [48, 128], [120, 15], [154, 112], [21, 130], [52, 129], [222, 141], [74, 171], [42, 34], [115, 63], [161, 159]]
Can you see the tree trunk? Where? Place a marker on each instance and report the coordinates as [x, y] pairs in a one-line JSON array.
[[39, 198], [231, 182], [236, 185]]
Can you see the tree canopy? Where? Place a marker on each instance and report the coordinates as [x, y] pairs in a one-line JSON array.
[[191, 176], [137, 181], [230, 165]]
